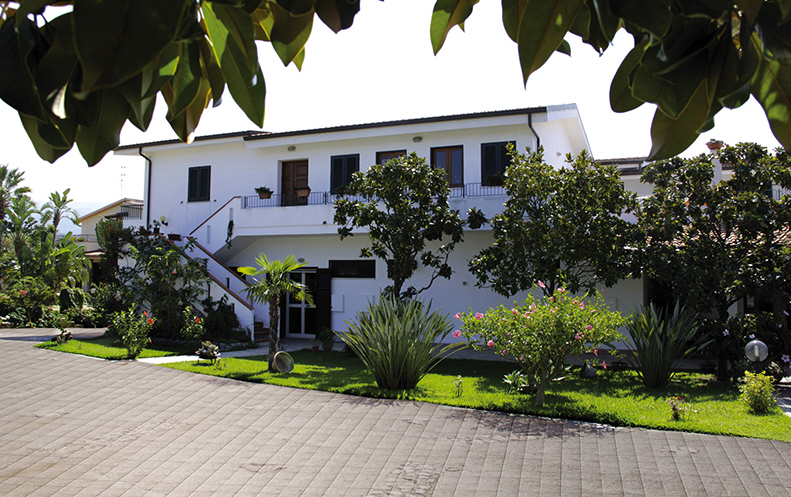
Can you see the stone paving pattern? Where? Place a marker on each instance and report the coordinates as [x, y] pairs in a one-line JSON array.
[[73, 425]]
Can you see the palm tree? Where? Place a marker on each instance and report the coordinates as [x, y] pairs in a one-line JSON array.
[[9, 187], [21, 222], [57, 208], [274, 282]]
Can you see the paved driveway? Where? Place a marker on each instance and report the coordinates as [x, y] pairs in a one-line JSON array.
[[72, 425]]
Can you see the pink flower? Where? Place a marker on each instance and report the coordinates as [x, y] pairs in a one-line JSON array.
[[604, 364], [478, 315], [726, 333], [515, 312], [561, 290], [582, 306], [752, 336], [527, 315], [541, 284], [490, 343], [458, 315], [456, 333], [505, 351], [23, 292], [786, 358], [589, 327], [578, 336], [596, 352]]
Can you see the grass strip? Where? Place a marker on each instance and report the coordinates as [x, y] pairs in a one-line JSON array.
[[613, 397], [111, 348]]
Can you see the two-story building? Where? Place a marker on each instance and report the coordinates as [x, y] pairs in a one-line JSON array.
[[206, 190]]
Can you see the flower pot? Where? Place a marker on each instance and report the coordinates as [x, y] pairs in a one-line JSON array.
[[264, 196], [174, 237], [302, 193], [315, 348], [327, 347]]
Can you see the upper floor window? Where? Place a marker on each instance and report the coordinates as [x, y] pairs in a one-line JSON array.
[[382, 157], [198, 185], [343, 166], [494, 162], [451, 159]]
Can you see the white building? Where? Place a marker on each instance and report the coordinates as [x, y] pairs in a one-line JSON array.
[[205, 190]]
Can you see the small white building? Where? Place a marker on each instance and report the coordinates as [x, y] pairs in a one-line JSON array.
[[205, 190]]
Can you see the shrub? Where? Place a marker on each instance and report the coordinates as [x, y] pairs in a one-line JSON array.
[[133, 331], [659, 340], [399, 342], [26, 303], [731, 337], [192, 329], [71, 298], [758, 393], [221, 322], [540, 334], [106, 301]]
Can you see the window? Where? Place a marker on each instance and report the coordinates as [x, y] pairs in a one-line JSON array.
[[353, 269], [343, 166], [382, 157], [198, 186], [449, 159], [494, 161]]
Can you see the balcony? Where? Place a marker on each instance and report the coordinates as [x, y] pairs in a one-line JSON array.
[[470, 190]]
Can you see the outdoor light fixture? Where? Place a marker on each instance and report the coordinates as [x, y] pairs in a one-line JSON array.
[[291, 148], [417, 139], [301, 259], [756, 351], [163, 220]]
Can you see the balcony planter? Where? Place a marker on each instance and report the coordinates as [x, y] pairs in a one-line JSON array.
[[263, 192], [302, 192], [174, 237]]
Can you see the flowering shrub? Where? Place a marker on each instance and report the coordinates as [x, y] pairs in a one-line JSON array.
[[133, 331], [193, 326], [758, 393], [678, 407], [540, 334], [731, 337]]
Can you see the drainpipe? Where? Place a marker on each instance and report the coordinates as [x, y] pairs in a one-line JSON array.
[[532, 130], [148, 192]]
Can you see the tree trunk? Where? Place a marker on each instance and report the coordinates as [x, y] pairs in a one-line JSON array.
[[274, 328], [542, 388]]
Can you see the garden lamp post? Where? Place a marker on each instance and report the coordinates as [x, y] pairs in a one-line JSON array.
[[756, 352]]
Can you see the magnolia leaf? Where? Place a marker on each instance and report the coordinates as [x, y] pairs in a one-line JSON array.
[[141, 109], [185, 123], [564, 48], [289, 32], [448, 13], [186, 82], [748, 64], [117, 39], [609, 23], [771, 86], [621, 98], [785, 9], [337, 14], [775, 36], [95, 141], [57, 68], [160, 70], [543, 26], [17, 86], [231, 34], [651, 16], [581, 26], [671, 136], [212, 71], [44, 150]]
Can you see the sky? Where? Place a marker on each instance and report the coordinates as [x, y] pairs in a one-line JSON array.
[[382, 69]]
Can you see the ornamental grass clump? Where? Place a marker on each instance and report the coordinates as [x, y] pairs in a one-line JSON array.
[[540, 334], [658, 341], [399, 342]]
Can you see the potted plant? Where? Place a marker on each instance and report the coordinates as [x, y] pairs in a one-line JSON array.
[[264, 192], [316, 345], [327, 338], [208, 351], [303, 191]]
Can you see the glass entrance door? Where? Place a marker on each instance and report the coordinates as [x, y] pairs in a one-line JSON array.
[[300, 316]]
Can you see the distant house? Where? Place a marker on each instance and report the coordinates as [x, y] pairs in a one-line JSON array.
[[128, 210], [206, 190]]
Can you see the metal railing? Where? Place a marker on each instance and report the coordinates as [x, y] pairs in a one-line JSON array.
[[324, 198], [132, 211]]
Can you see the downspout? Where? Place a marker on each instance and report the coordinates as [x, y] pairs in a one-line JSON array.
[[148, 192], [533, 130]]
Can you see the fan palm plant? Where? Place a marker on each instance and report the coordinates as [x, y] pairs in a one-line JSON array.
[[273, 282]]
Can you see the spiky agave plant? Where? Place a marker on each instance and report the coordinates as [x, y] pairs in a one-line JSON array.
[[399, 341]]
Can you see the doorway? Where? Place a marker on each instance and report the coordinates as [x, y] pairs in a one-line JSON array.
[[294, 175], [300, 316]]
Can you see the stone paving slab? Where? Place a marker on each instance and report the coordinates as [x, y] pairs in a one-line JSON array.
[[72, 425]]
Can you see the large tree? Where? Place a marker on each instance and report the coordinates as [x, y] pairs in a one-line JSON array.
[[714, 242], [403, 205], [77, 75], [559, 227]]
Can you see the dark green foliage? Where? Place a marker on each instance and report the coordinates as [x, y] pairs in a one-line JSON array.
[[399, 341], [559, 226], [404, 207], [221, 323], [659, 340], [25, 303], [731, 338], [106, 300], [71, 298], [758, 393], [714, 244]]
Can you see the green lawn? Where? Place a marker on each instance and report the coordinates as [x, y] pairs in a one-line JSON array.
[[616, 398], [110, 348]]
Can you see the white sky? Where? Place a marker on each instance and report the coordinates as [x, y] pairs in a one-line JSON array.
[[383, 69]]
